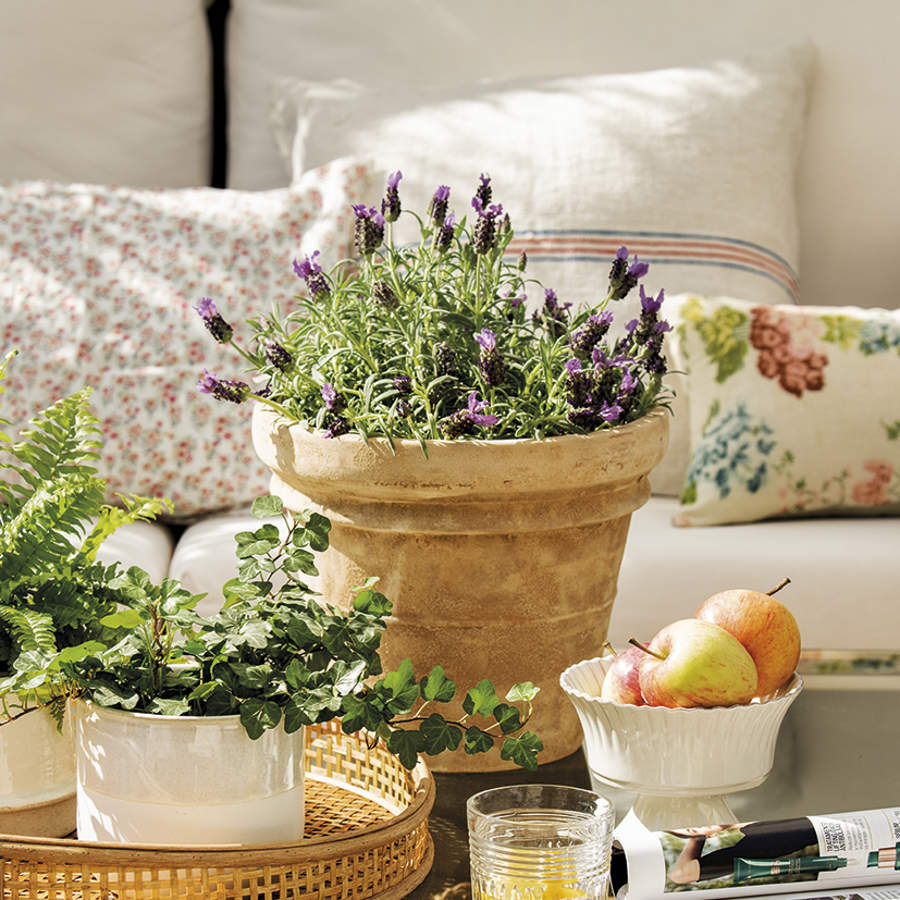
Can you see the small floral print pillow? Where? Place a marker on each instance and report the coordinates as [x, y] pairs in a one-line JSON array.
[[795, 410], [97, 288]]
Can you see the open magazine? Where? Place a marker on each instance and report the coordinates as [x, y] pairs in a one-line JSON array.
[[813, 856]]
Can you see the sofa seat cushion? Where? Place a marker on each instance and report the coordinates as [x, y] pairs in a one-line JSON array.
[[843, 573], [148, 545]]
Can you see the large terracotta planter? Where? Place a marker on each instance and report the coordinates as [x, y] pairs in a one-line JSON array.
[[500, 557]]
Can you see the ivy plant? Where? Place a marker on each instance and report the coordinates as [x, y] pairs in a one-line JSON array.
[[276, 654], [53, 519]]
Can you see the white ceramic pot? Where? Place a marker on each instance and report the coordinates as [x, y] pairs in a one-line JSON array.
[[184, 780], [37, 776]]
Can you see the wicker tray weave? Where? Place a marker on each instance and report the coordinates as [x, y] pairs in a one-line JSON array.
[[366, 835]]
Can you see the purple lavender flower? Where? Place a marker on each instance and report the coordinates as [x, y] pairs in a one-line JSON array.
[[445, 235], [515, 300], [490, 361], [403, 383], [522, 261], [384, 295], [595, 329], [277, 355], [333, 400], [311, 272], [439, 204], [650, 305], [369, 229], [335, 426], [402, 408], [622, 277], [483, 192], [464, 421], [223, 389], [390, 204], [485, 235], [553, 314], [213, 321], [610, 412]]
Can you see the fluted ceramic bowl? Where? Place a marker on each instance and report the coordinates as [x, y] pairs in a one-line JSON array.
[[688, 759]]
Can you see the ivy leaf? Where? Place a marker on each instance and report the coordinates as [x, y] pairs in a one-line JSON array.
[[298, 560], [255, 633], [257, 715], [123, 618], [477, 741], [481, 699], [349, 680], [357, 715], [437, 686], [265, 538], [113, 695], [508, 717], [439, 734], [296, 674], [314, 533], [266, 507], [221, 702], [295, 716], [400, 687], [371, 602], [235, 590], [523, 692], [522, 750], [169, 707], [406, 746]]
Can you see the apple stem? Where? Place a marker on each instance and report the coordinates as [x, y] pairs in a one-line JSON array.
[[779, 586], [608, 648], [645, 648]]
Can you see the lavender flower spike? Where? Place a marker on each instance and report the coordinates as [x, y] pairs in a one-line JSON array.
[[475, 408], [487, 339], [213, 320], [223, 389], [390, 204], [333, 400], [369, 229], [439, 204], [311, 272]]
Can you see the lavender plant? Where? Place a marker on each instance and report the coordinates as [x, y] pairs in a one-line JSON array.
[[434, 340]]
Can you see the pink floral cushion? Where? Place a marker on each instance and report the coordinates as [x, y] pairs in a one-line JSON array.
[[97, 286], [794, 409]]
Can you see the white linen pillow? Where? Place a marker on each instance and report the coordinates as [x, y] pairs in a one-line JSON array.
[[113, 93], [692, 168], [98, 285]]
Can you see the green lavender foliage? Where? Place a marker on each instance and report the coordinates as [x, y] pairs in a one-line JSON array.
[[53, 520], [276, 654]]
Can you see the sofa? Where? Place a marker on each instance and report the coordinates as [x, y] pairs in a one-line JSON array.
[[157, 153]]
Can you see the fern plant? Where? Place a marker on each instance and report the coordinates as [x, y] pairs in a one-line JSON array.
[[53, 519]]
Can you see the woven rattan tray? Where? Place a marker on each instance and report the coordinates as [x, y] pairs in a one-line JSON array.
[[366, 835]]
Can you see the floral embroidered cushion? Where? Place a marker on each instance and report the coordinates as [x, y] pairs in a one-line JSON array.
[[97, 286], [794, 409]]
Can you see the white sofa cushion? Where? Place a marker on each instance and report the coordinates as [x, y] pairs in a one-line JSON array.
[[843, 572], [116, 93], [147, 545]]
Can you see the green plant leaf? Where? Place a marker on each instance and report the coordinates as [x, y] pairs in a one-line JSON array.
[[400, 687], [295, 716], [436, 686], [169, 707], [523, 692], [257, 715], [266, 507], [123, 618], [522, 750], [481, 699], [406, 746], [439, 735], [507, 717], [477, 741]]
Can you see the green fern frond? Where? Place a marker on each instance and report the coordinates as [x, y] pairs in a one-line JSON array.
[[41, 532], [134, 509], [63, 438], [4, 423], [29, 629]]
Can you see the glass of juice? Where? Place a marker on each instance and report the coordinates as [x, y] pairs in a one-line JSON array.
[[539, 842]]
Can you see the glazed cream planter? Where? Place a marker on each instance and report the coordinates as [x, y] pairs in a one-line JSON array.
[[500, 557], [37, 776], [185, 780]]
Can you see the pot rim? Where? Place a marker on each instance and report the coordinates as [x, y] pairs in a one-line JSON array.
[[261, 409], [135, 714]]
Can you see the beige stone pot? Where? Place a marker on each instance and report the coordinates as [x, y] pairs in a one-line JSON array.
[[500, 557]]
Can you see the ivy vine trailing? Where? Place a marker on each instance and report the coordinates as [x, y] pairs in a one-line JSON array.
[[53, 519], [274, 653]]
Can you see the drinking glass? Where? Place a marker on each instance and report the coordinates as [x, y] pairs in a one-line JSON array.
[[539, 842]]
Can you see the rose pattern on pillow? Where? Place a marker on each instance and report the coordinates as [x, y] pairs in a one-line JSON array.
[[790, 415], [97, 286]]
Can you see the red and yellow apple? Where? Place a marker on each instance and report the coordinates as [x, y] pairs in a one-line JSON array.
[[693, 662], [622, 682], [764, 626]]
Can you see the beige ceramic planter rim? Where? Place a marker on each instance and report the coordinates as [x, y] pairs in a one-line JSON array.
[[463, 467]]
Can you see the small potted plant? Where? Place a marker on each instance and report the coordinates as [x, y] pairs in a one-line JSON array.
[[53, 593], [482, 458], [190, 730]]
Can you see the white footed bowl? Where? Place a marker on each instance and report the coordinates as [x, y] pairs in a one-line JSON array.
[[675, 752]]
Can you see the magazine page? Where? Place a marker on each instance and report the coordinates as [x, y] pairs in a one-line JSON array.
[[812, 855]]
